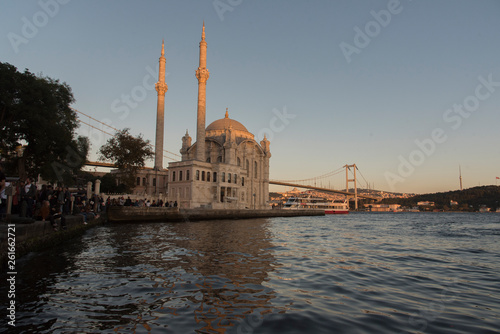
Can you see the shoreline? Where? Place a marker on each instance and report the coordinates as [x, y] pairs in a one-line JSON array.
[[31, 235], [122, 214]]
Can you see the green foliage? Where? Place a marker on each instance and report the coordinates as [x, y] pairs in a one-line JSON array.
[[35, 114], [468, 199], [111, 184], [128, 153]]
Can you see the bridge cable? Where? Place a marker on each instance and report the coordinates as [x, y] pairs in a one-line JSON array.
[[109, 126]]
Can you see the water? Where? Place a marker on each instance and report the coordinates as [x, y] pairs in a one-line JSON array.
[[356, 273]]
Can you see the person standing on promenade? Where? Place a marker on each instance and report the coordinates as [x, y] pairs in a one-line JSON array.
[[16, 199], [60, 198], [28, 196], [55, 212], [45, 210], [67, 201], [42, 194]]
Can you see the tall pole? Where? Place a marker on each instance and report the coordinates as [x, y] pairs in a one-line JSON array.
[[355, 189], [161, 89], [202, 75], [347, 180], [460, 173]]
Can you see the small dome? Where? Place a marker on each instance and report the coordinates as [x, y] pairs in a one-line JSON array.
[[225, 123]]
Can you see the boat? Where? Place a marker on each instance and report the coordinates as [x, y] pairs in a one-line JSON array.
[[308, 202]]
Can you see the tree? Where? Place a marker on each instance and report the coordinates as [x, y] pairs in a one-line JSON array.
[[109, 184], [37, 126], [128, 153]]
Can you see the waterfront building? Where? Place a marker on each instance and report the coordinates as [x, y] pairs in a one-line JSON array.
[[226, 167]]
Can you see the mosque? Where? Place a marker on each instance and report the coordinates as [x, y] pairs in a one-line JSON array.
[[226, 168]]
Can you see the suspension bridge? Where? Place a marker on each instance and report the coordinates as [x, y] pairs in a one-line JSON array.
[[351, 172]]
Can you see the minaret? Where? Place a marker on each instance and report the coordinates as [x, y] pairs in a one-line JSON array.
[[202, 75], [161, 88], [186, 144]]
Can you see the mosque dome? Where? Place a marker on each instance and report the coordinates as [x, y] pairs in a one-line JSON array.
[[225, 123]]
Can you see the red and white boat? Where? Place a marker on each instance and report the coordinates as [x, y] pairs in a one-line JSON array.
[[306, 201]]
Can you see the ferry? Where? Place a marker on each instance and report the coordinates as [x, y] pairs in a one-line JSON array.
[[306, 201]]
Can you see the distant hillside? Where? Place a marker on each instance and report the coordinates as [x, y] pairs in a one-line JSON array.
[[475, 197]]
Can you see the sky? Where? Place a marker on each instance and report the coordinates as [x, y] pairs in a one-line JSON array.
[[406, 90]]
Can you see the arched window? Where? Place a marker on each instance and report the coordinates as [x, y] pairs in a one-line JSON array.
[[197, 175], [255, 168], [187, 175], [235, 178], [223, 177], [208, 159], [229, 177], [180, 175], [238, 161], [203, 175], [154, 182], [173, 176], [242, 181], [219, 158], [215, 176], [208, 176], [138, 181], [143, 181]]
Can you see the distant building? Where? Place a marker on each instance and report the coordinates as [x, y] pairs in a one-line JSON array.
[[383, 207], [425, 203], [453, 203], [484, 208]]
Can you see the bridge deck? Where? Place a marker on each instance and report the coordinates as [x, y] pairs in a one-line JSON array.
[[279, 183]]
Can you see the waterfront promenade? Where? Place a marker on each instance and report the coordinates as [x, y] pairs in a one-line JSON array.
[[163, 214], [31, 235]]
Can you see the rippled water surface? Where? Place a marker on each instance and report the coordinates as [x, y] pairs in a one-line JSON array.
[[356, 273]]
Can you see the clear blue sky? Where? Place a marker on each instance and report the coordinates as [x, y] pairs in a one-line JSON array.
[[363, 98]]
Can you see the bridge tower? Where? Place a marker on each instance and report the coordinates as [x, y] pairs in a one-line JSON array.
[[347, 180]]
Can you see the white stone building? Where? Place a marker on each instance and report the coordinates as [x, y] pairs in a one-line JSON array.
[[226, 167], [235, 173]]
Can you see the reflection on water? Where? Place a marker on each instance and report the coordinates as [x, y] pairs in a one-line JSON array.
[[206, 276], [361, 273]]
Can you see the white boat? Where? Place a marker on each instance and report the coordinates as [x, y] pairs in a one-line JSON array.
[[306, 201]]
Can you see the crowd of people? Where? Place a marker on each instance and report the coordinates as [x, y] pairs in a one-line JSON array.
[[49, 203], [52, 204], [140, 202]]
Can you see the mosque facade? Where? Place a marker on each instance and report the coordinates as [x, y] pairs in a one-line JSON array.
[[226, 168]]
